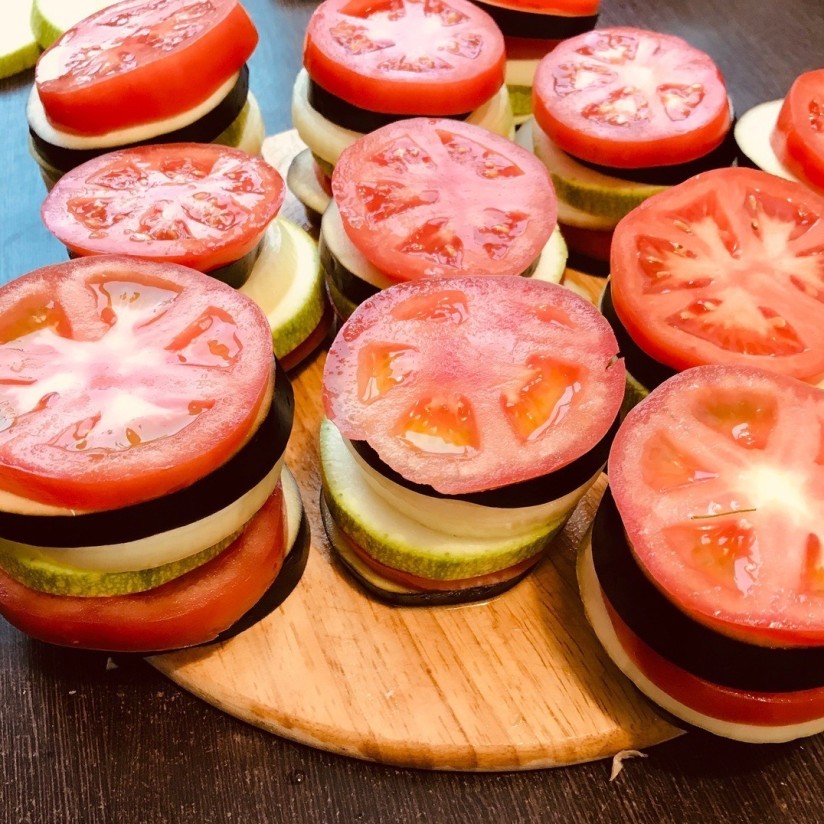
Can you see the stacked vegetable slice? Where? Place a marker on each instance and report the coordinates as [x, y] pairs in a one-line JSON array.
[[206, 206], [143, 502], [436, 198], [621, 114], [786, 137], [725, 268], [531, 29], [369, 64], [467, 417], [145, 73], [703, 574]]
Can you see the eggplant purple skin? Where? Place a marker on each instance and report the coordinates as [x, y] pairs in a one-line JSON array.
[[673, 635], [349, 116], [243, 471], [533, 24], [205, 130]]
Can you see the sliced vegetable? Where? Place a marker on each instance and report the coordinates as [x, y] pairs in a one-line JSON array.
[[136, 63], [158, 368], [719, 479], [474, 383], [287, 284], [725, 268], [422, 198], [50, 19], [630, 98], [798, 137], [18, 48], [199, 205], [191, 609], [408, 57]]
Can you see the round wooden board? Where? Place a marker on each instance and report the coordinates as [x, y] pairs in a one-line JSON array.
[[519, 682]]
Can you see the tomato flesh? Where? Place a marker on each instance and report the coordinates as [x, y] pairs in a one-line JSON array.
[[630, 98], [199, 205], [474, 383], [140, 62], [191, 609], [721, 495], [798, 137], [734, 706], [422, 198], [725, 268], [122, 380], [405, 57]]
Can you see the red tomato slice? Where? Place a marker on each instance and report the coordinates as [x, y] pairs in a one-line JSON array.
[[192, 609], [725, 268], [630, 98], [200, 205], [138, 62], [562, 8], [798, 138], [423, 198], [405, 56], [734, 706], [719, 479], [407, 579], [474, 383], [122, 380]]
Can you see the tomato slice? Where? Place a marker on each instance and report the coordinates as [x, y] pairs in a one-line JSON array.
[[798, 138], [474, 383], [725, 268], [734, 706], [630, 98], [122, 380], [405, 57], [138, 62], [719, 479], [563, 8], [423, 198], [192, 609], [199, 205]]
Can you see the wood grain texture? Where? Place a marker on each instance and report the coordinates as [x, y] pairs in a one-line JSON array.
[[519, 682], [80, 744]]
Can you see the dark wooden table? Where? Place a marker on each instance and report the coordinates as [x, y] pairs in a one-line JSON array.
[[80, 742]]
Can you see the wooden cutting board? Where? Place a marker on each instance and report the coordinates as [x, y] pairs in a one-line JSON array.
[[519, 682]]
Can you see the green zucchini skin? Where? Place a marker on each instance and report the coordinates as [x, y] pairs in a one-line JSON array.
[[410, 598]]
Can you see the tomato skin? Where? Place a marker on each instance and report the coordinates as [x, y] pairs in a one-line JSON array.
[[192, 609], [235, 196], [719, 486], [531, 383], [481, 205], [667, 304], [798, 137], [33, 465], [725, 703], [563, 8], [666, 128], [358, 77], [157, 86]]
